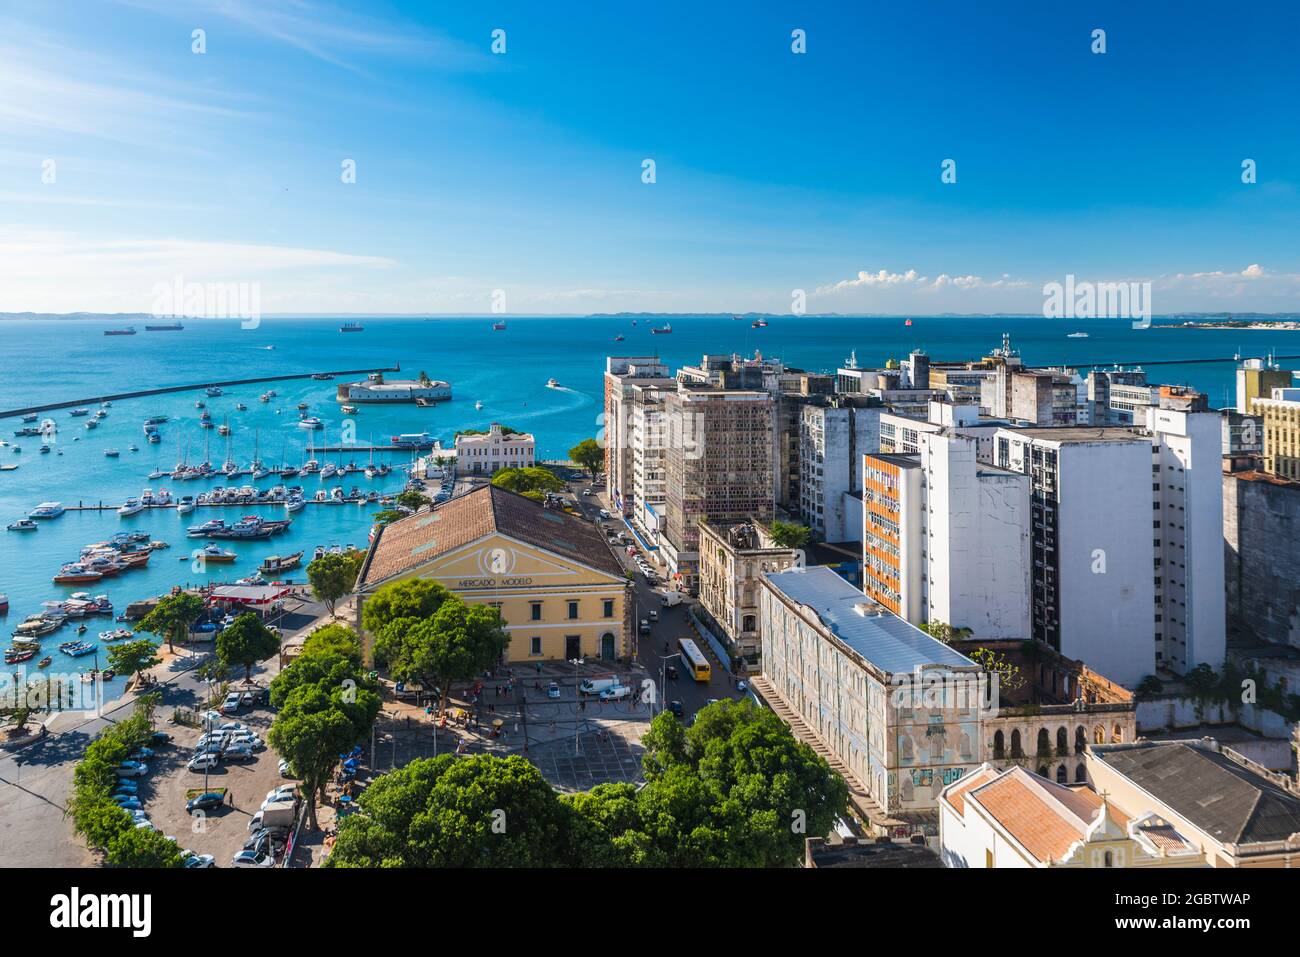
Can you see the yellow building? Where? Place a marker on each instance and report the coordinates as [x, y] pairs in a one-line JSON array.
[[562, 592], [1281, 415]]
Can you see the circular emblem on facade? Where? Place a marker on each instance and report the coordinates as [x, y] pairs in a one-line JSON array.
[[496, 561]]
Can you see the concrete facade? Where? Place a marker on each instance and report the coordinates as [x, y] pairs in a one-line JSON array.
[[1261, 526], [831, 442]]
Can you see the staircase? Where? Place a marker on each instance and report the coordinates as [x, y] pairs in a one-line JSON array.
[[859, 796]]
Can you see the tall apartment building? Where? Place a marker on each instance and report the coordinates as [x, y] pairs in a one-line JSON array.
[[719, 466], [1092, 586], [1045, 398], [1120, 396], [832, 437], [1257, 378], [630, 381], [1281, 420], [1187, 482], [946, 537]]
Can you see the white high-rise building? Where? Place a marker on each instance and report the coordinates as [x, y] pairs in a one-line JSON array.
[[832, 439]]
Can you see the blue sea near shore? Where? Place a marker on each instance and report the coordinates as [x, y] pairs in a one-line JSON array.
[[62, 360]]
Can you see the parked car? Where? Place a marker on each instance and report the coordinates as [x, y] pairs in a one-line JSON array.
[[285, 772], [652, 615], [128, 786], [238, 752], [247, 699], [128, 802], [134, 769], [252, 859], [282, 792], [553, 689], [670, 671], [205, 802], [604, 514], [194, 861], [230, 727], [160, 737], [231, 704], [645, 627], [616, 693], [142, 753], [204, 761]]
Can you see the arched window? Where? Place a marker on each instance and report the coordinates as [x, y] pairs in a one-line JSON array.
[[1044, 742], [1080, 740], [1099, 735], [1117, 735], [1080, 775], [1110, 861], [1062, 775], [1042, 772], [999, 745], [1016, 752], [1062, 742]]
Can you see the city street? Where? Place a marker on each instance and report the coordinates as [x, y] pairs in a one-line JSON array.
[[673, 623]]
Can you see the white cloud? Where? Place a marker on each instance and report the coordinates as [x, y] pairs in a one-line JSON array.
[[1253, 271]]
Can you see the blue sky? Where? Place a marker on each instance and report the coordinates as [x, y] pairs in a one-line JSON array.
[[522, 171]]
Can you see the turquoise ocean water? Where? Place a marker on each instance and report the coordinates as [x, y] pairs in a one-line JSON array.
[[61, 360]]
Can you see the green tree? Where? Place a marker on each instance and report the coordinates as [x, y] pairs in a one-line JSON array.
[[588, 455], [413, 499], [446, 812], [387, 516], [133, 657], [790, 534], [412, 598], [141, 847], [534, 495], [246, 641], [172, 617], [455, 644], [944, 632], [334, 575], [531, 478]]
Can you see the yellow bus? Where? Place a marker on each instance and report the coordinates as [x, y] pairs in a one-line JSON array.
[[694, 660]]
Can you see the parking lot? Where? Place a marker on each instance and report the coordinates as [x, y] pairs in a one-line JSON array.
[[221, 831]]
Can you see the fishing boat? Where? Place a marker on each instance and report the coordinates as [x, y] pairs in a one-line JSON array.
[[23, 525], [46, 510], [663, 330], [16, 656], [214, 553], [39, 625], [44, 662], [213, 390], [478, 404], [30, 417], [499, 326], [76, 649], [116, 634], [276, 564], [758, 324], [111, 453]]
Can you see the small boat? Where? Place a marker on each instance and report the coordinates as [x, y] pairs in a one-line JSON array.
[[478, 404], [499, 326], [130, 507], [30, 417], [310, 422], [280, 563], [350, 409], [240, 407], [76, 574], [552, 383], [352, 327], [214, 553], [264, 397], [77, 413], [200, 404], [1077, 335], [663, 330], [294, 503], [116, 634], [46, 510], [4, 604], [133, 447], [92, 423], [76, 649], [908, 322], [213, 390], [44, 662], [81, 629], [303, 406], [16, 656], [45, 449], [185, 505], [23, 525], [619, 338], [758, 324], [111, 453]]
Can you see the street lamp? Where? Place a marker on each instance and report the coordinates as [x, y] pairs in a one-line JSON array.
[[663, 676]]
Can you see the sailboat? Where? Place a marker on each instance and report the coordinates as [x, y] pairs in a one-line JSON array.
[[258, 470]]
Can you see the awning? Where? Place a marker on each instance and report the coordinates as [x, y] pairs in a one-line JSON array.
[[248, 594]]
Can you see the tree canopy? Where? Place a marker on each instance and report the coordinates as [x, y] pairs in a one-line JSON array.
[[532, 478], [588, 454], [133, 657], [334, 575], [246, 641], [172, 617], [790, 534], [479, 811]]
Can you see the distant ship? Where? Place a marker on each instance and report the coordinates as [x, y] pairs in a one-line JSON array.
[[908, 323], [128, 331], [1077, 335], [758, 324], [619, 338], [499, 326], [352, 327], [663, 330], [169, 327]]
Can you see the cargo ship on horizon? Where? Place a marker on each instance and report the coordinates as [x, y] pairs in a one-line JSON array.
[[169, 327]]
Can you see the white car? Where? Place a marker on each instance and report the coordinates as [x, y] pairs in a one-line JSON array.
[[252, 859], [283, 792], [204, 761], [616, 693], [231, 704], [194, 861], [285, 772]]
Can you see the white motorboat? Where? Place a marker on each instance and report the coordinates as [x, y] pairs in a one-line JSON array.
[[131, 506], [47, 510], [310, 422], [294, 503], [185, 505]]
